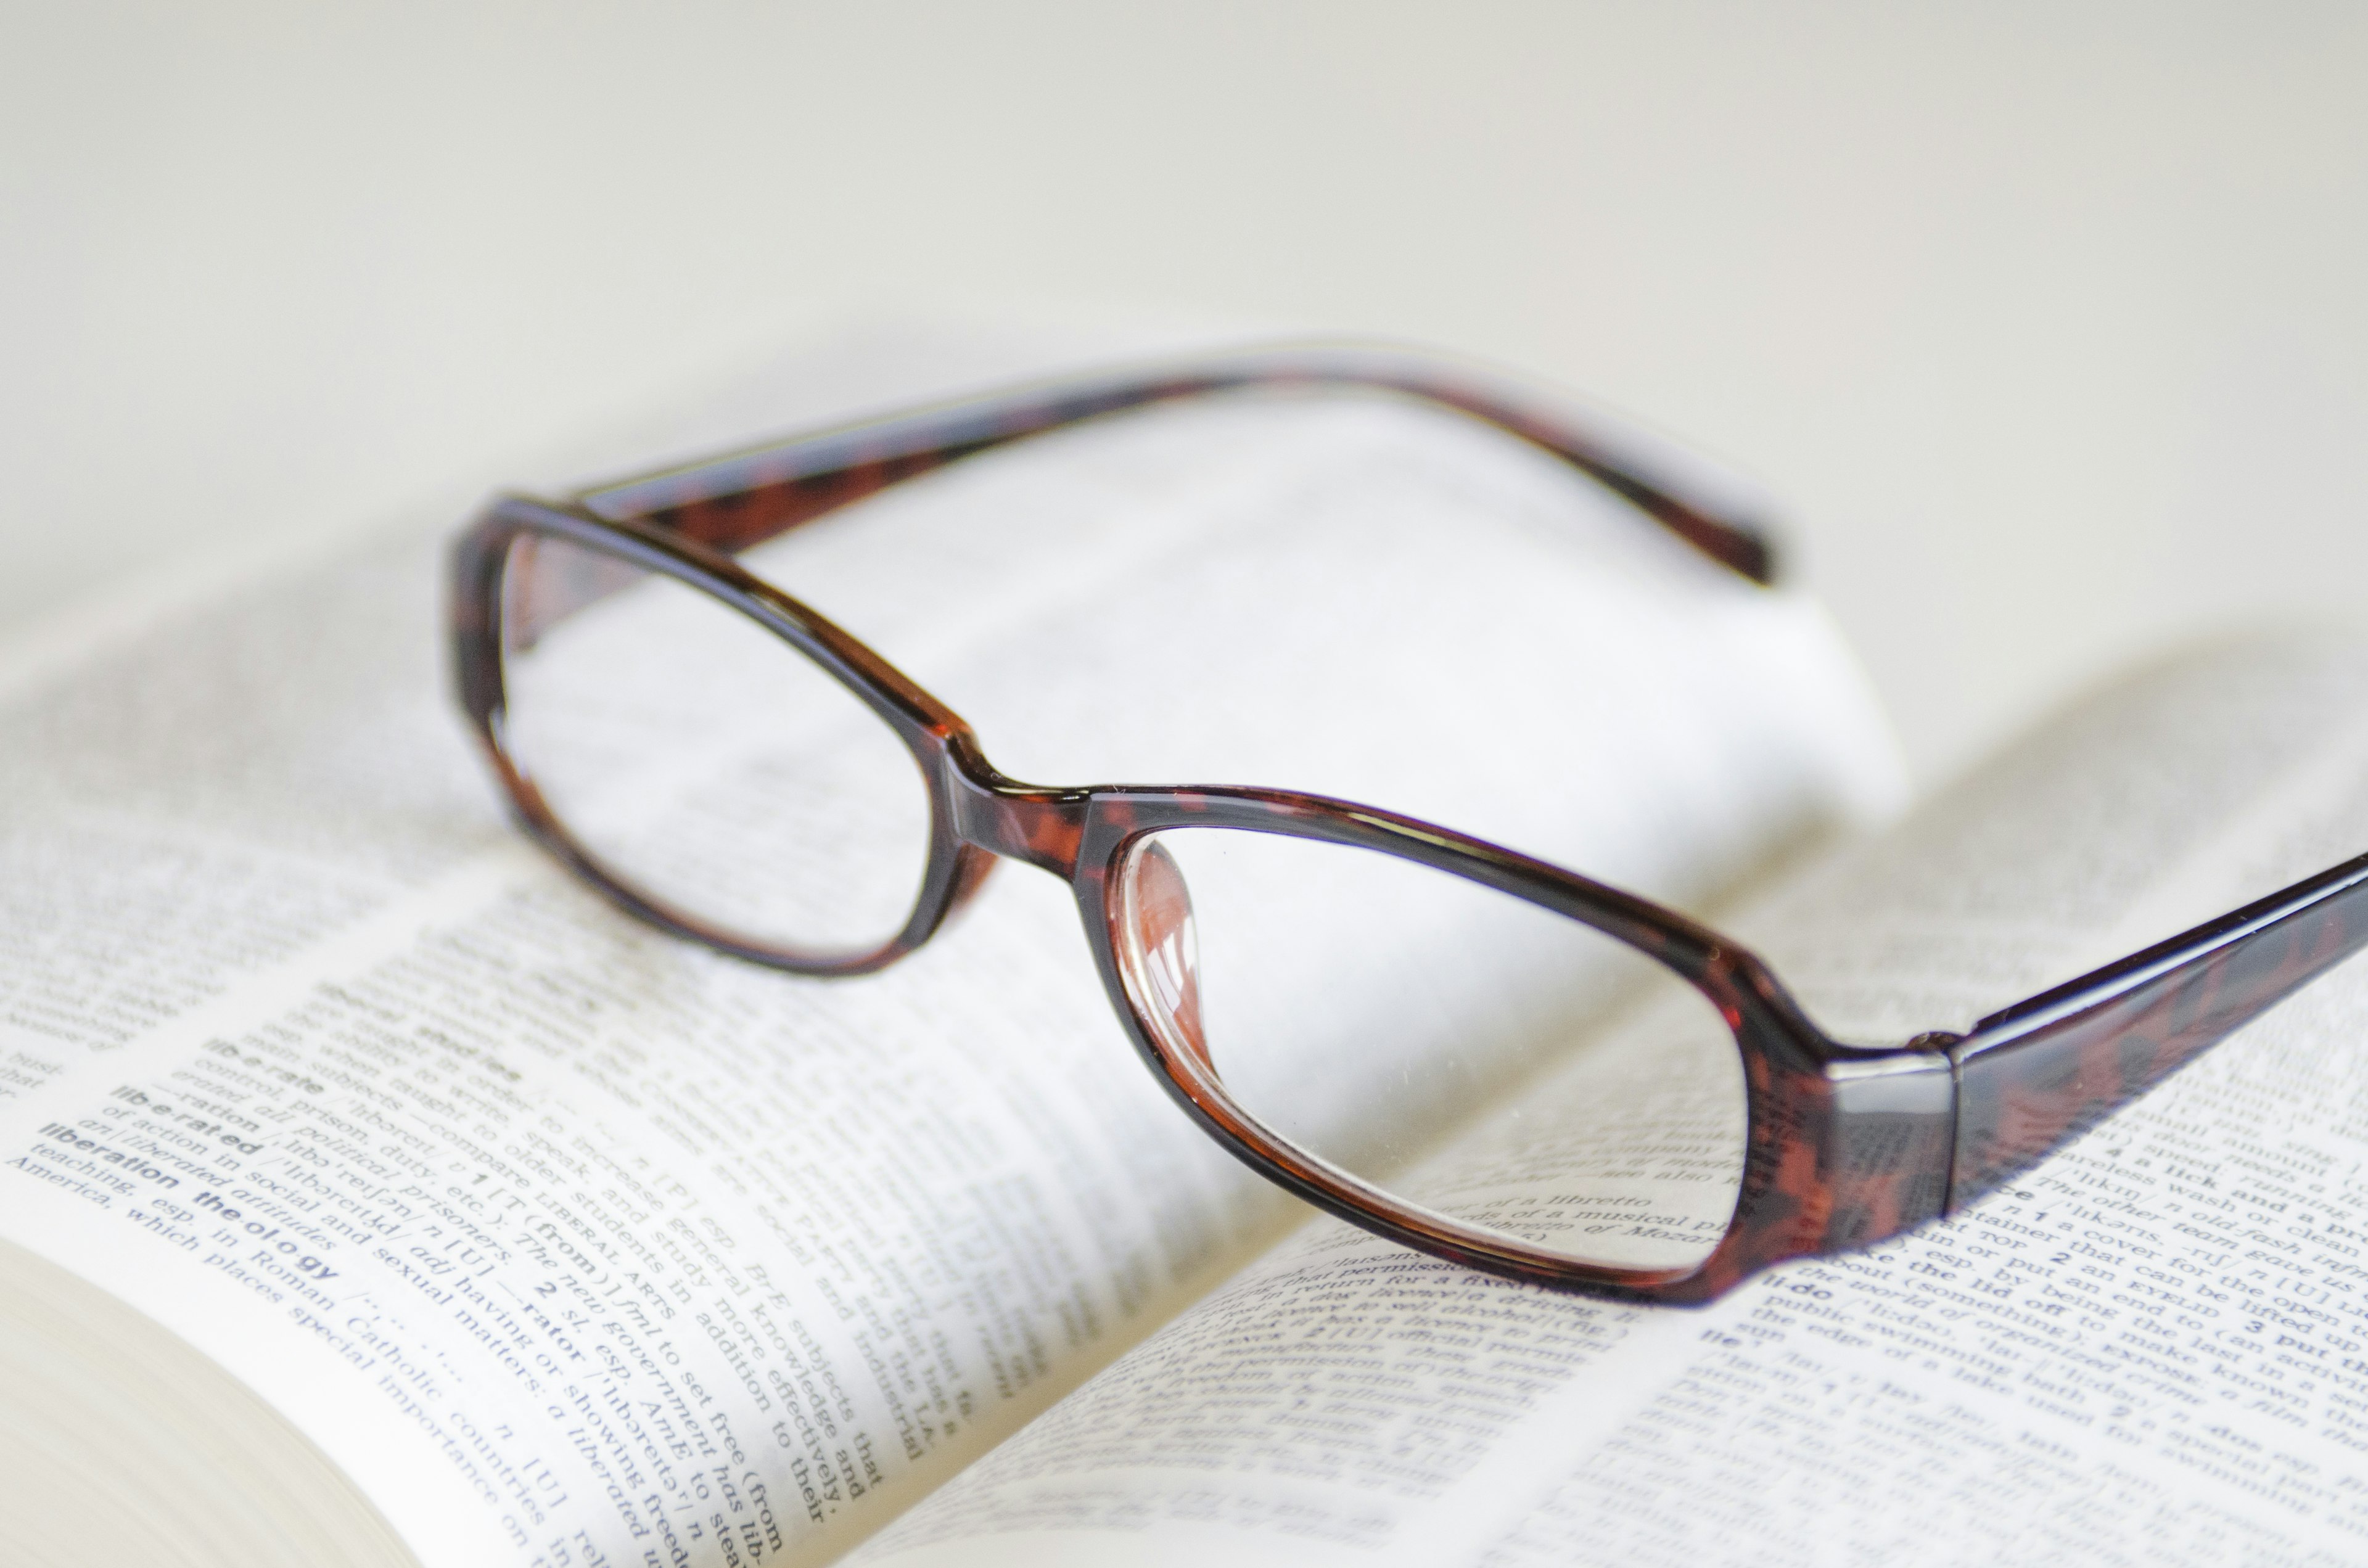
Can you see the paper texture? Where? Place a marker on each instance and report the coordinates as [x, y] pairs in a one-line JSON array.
[[573, 1243], [2154, 1348]]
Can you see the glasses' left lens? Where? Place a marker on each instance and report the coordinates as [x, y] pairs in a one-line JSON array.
[[702, 761]]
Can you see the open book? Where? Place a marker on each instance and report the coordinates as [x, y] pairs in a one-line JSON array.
[[371, 1192]]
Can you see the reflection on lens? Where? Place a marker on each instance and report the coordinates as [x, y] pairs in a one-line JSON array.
[[1466, 1052], [704, 761]]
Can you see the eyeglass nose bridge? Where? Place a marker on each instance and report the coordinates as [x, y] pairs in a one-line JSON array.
[[1043, 828]]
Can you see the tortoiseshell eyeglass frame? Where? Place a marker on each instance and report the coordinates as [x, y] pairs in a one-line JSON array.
[[1847, 1145]]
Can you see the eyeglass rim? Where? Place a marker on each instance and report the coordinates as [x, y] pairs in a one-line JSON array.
[[979, 816]]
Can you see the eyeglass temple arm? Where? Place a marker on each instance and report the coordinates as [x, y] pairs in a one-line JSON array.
[[734, 502], [2043, 1071]]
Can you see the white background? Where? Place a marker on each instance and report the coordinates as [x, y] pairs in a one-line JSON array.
[[2047, 324]]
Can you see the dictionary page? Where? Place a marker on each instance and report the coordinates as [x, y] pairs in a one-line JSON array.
[[2152, 1350], [570, 1242]]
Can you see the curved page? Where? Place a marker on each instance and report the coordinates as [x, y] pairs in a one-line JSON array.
[[2150, 1349], [572, 1244]]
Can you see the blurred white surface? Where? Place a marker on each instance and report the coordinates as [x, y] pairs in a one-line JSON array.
[[2045, 323]]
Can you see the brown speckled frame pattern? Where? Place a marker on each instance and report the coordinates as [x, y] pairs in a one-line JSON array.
[[733, 502], [1847, 1145], [2041, 1072]]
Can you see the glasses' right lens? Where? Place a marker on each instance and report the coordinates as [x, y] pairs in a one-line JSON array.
[[702, 761], [1369, 1011]]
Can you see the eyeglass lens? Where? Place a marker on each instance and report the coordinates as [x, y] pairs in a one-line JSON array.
[[1373, 1012], [704, 761]]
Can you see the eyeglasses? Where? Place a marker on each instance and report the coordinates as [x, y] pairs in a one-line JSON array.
[[1327, 988]]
